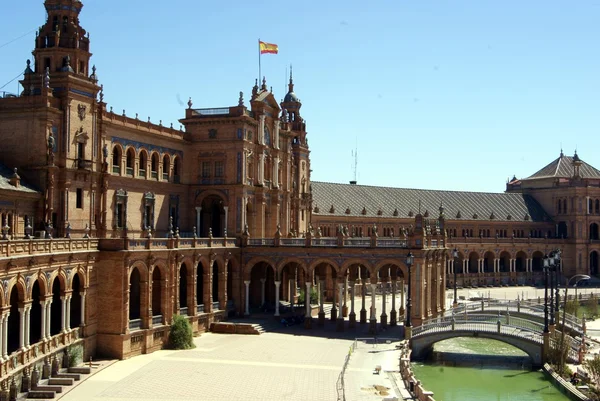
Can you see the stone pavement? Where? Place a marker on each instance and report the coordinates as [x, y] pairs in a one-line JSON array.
[[292, 364]]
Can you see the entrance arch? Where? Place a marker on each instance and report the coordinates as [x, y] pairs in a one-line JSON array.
[[156, 292], [521, 262], [473, 263], [135, 295], [35, 319], [262, 287], [212, 216], [488, 262], [75, 319], [537, 262]]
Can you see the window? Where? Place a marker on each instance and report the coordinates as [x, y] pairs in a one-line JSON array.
[[120, 216], [205, 169], [148, 217], [79, 198], [174, 209], [212, 133], [143, 164], [219, 169], [46, 63], [267, 136], [80, 150]]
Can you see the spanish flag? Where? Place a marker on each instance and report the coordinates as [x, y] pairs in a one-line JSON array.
[[267, 48]]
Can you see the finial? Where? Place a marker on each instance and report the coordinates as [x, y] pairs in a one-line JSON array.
[[291, 77], [171, 125], [28, 69], [93, 76], [241, 99], [271, 89], [124, 113], [561, 152], [101, 93], [190, 103], [264, 84]]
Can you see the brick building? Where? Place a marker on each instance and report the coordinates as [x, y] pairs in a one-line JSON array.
[[112, 224]]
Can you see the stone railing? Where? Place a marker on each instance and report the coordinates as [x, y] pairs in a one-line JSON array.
[[413, 385], [25, 247], [332, 242], [117, 244], [503, 240]]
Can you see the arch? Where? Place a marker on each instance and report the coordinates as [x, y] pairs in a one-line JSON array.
[[212, 215], [319, 261], [154, 164], [473, 262], [394, 263], [488, 262], [200, 283], [130, 159], [504, 264], [143, 165], [35, 319], [537, 261], [76, 300], [117, 154], [135, 294], [597, 208], [280, 266], [594, 232], [594, 260], [253, 262], [166, 165], [183, 287], [261, 293], [56, 307], [157, 284], [14, 318], [521, 262], [562, 231], [176, 166]]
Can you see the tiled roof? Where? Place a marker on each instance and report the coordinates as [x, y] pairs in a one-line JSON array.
[[563, 168], [369, 201], [6, 174]]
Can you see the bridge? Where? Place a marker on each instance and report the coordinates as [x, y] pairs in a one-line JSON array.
[[529, 309], [525, 334]]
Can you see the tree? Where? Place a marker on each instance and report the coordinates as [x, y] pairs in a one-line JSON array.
[[593, 368], [559, 351], [181, 336]]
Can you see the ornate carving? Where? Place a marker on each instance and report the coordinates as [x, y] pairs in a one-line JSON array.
[[81, 111]]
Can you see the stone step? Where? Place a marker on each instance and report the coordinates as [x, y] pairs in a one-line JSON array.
[[60, 381], [37, 394], [74, 376], [55, 389], [84, 370]]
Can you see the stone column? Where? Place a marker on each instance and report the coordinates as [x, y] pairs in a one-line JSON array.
[[393, 317], [373, 318], [5, 335], [321, 321], [334, 311], [247, 303], [277, 284], [82, 318], [352, 314], [225, 209], [63, 313], [340, 317], [262, 291], [383, 317], [345, 297], [465, 266], [27, 324], [48, 317], [363, 311], [2, 336], [308, 313], [402, 299], [198, 213], [68, 313], [22, 328]]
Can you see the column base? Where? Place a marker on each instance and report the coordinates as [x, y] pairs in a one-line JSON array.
[[321, 319], [383, 319], [340, 324], [393, 318], [363, 316], [308, 323], [334, 314], [372, 326], [407, 333], [345, 311], [401, 313], [352, 319]]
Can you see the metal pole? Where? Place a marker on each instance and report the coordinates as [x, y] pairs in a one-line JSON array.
[[409, 300], [546, 300], [551, 273], [557, 296], [454, 271]]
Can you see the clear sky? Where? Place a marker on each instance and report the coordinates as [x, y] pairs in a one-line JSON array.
[[435, 94]]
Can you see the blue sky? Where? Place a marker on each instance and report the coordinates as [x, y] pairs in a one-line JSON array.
[[436, 94]]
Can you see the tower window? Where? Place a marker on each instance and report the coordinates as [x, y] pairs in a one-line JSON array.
[[219, 169], [46, 63], [79, 199]]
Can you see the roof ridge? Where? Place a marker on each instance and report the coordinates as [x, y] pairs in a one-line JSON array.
[[419, 189]]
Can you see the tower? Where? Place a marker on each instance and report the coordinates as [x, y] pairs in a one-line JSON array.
[[300, 196]]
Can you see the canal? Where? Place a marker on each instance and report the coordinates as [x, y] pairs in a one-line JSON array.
[[470, 369]]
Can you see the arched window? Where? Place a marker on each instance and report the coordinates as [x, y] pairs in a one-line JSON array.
[[116, 160], [154, 165], [594, 231], [176, 169], [130, 161], [166, 167], [590, 206], [143, 164], [597, 209]]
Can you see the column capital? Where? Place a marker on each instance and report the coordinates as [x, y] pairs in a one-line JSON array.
[[277, 283], [247, 282], [262, 280]]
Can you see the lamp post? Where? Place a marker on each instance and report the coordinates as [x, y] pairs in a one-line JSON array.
[[455, 256], [557, 259], [409, 262], [546, 267], [551, 266]]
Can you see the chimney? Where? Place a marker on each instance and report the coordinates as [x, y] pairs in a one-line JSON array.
[[353, 182]]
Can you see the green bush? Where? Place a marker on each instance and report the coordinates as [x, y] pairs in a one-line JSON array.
[[572, 307], [75, 355], [313, 296], [181, 336], [592, 307]]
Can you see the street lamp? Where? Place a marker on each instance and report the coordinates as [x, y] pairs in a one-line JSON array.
[[557, 260], [455, 256], [546, 267], [409, 262], [551, 274]]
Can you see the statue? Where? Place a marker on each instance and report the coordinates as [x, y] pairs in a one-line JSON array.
[[51, 144], [105, 152]]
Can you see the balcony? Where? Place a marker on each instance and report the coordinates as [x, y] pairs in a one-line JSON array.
[[116, 170], [157, 320], [183, 311], [142, 173], [83, 164], [216, 306], [129, 171], [154, 174], [200, 308], [135, 324], [165, 176]]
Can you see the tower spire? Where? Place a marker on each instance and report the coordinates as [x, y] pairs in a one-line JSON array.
[[291, 84]]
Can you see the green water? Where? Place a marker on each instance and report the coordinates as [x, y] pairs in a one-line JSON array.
[[476, 382]]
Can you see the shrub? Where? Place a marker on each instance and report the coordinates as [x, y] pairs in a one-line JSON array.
[[313, 296], [75, 355], [572, 307], [181, 336]]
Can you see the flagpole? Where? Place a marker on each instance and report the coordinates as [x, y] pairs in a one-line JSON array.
[[259, 71]]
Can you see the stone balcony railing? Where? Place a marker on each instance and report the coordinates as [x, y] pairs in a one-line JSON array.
[[16, 248], [340, 241], [503, 240], [116, 244]]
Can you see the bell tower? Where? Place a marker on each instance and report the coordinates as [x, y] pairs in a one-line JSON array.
[[61, 45]]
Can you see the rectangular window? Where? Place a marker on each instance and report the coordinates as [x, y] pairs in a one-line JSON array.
[[79, 200], [205, 169], [219, 169], [120, 216], [148, 215]]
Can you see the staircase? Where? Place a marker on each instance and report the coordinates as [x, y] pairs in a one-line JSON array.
[[47, 389]]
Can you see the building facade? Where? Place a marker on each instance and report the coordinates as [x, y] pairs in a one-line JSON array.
[[111, 224]]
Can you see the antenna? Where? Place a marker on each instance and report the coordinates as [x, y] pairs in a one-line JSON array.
[[355, 164]]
